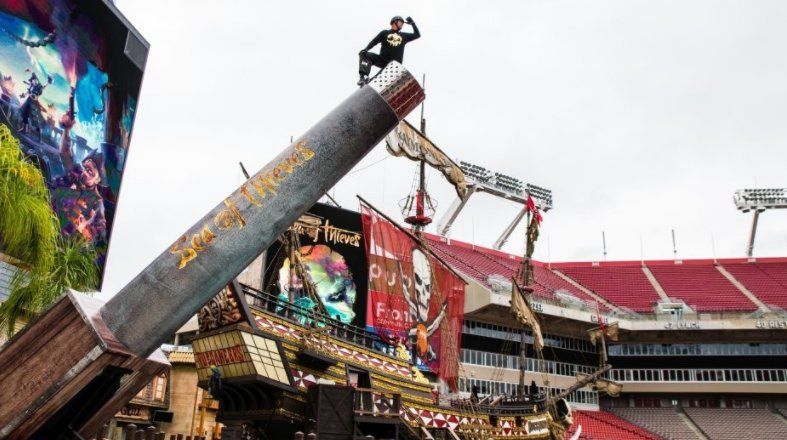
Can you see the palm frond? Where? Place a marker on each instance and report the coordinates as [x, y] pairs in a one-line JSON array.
[[74, 268], [29, 232], [28, 226]]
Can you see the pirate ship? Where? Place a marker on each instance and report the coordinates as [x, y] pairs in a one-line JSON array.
[[287, 356]]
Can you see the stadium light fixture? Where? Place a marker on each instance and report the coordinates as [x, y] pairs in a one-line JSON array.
[[500, 185], [758, 200]]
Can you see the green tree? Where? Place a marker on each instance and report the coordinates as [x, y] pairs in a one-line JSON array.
[[30, 234]]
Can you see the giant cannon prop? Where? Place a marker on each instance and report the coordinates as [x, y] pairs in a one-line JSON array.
[[79, 362]]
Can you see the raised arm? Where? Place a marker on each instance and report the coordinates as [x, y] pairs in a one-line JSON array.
[[411, 36]]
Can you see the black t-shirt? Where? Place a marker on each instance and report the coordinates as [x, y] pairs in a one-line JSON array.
[[392, 43]]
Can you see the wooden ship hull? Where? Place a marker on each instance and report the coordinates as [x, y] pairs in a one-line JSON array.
[[302, 383]]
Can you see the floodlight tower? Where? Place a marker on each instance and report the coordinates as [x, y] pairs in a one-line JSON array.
[[480, 179], [758, 200]]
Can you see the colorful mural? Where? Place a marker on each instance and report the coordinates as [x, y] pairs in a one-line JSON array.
[[332, 255], [330, 275], [70, 98]]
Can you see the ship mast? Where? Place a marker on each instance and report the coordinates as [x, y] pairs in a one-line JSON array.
[[521, 290], [421, 218], [524, 276]]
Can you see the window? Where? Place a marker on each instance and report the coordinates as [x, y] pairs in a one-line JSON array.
[[698, 349], [160, 388]]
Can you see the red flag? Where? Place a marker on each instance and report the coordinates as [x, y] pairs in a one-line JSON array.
[[413, 297], [531, 204], [600, 321]]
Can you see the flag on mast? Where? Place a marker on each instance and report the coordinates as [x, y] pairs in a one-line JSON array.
[[414, 299], [523, 312], [406, 140]]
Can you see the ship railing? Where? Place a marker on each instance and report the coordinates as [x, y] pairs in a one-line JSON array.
[[310, 317], [376, 403], [504, 405]]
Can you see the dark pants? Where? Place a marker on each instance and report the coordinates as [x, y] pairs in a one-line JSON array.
[[369, 59]]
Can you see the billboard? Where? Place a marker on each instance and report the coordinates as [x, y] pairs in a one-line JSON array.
[[414, 299], [332, 255], [70, 74]]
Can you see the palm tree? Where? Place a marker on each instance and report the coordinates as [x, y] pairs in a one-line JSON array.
[[30, 235]]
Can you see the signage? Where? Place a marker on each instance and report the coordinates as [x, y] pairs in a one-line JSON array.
[[240, 354], [134, 412], [537, 426], [682, 325], [222, 356], [415, 301], [332, 254], [772, 323], [594, 318]]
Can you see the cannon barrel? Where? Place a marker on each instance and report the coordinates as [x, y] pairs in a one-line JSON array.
[[81, 360], [220, 245]]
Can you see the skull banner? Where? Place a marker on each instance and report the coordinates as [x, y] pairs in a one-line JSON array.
[[414, 300]]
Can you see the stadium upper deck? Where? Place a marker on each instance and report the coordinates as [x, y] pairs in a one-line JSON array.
[[636, 291]]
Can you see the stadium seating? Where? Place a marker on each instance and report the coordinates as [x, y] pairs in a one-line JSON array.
[[665, 422], [701, 286], [768, 281], [480, 263], [464, 260], [602, 425], [625, 286], [736, 424], [547, 281]]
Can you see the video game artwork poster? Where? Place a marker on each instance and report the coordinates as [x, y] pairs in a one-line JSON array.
[[69, 95], [414, 299], [333, 259]]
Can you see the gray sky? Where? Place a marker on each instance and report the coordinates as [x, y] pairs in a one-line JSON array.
[[641, 116]]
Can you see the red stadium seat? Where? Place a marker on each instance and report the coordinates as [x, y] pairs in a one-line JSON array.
[[625, 286], [767, 281], [481, 263], [701, 286], [602, 425]]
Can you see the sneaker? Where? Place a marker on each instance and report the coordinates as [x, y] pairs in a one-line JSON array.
[[362, 82]]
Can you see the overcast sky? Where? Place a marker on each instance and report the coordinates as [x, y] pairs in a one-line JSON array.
[[641, 116]]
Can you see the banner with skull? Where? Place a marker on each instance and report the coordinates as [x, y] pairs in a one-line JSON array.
[[414, 300]]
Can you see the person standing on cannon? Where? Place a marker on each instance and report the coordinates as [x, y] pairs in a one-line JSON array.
[[392, 42]]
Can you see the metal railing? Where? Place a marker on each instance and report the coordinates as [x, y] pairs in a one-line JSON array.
[[505, 405], [511, 362], [699, 375], [310, 317], [697, 350], [496, 388], [507, 333]]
